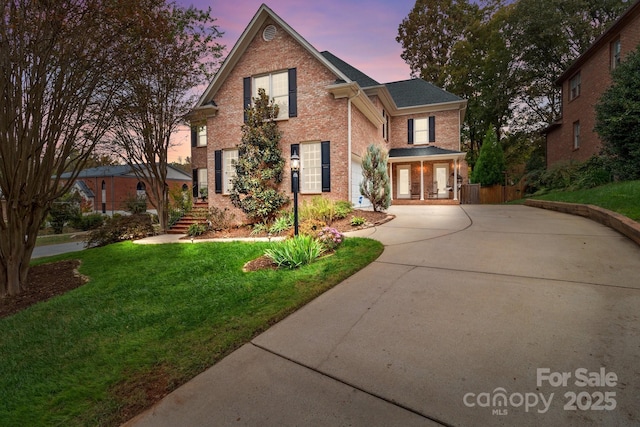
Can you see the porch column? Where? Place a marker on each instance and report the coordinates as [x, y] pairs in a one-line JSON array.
[[391, 178], [455, 179], [421, 180]]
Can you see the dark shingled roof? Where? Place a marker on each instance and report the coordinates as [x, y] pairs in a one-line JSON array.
[[420, 151], [410, 93], [353, 73], [405, 93], [100, 171]]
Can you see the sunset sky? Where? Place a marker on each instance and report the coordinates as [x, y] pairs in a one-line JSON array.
[[360, 32]]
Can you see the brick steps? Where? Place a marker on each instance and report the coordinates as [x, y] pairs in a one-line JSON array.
[[197, 215]]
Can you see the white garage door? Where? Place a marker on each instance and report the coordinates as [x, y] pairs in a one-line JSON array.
[[356, 178]]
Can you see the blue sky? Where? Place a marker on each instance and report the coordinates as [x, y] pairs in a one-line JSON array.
[[359, 32]]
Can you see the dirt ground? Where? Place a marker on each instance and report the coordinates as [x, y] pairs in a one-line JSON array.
[[48, 280]]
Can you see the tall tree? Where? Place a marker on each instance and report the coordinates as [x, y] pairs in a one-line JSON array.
[[375, 184], [490, 165], [260, 165], [62, 63], [155, 101], [546, 36], [618, 119], [429, 33]]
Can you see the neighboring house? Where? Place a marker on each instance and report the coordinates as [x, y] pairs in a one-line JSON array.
[[107, 187], [572, 136], [329, 113]]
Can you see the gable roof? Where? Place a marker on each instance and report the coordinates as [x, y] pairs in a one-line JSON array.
[[603, 39], [261, 16]]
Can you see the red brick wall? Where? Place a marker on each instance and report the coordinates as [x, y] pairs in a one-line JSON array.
[[320, 116], [118, 189], [447, 129], [595, 77]]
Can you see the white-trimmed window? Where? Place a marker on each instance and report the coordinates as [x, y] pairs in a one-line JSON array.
[[385, 125], [576, 135], [229, 157], [202, 178], [276, 86], [420, 131], [311, 167], [615, 53], [202, 136], [574, 87]]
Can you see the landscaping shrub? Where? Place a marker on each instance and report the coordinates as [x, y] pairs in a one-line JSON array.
[[119, 228], [375, 184], [357, 221], [342, 209], [259, 228], [196, 230], [295, 252], [219, 219], [87, 222], [135, 204], [283, 223], [65, 209], [330, 238], [311, 227]]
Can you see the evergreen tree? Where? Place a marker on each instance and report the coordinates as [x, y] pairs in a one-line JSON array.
[[618, 119], [490, 163], [375, 185], [260, 164]]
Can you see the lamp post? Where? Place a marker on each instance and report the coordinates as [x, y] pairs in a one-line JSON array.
[[295, 184]]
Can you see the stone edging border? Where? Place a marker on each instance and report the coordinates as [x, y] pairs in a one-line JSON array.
[[620, 223]]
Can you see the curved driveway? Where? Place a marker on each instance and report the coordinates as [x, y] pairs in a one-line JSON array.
[[473, 315]]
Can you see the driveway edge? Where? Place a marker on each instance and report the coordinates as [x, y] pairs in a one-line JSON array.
[[618, 222]]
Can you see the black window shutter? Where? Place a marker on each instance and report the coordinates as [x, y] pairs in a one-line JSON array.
[[246, 95], [432, 128], [326, 166], [410, 131], [293, 93], [194, 183], [194, 136], [295, 148], [218, 170]]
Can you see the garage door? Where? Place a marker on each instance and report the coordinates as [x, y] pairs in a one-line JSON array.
[[356, 178]]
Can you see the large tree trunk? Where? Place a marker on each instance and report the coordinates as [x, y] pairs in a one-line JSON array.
[[16, 247]]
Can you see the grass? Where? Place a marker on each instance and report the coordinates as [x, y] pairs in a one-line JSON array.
[[621, 197], [151, 318], [55, 239]]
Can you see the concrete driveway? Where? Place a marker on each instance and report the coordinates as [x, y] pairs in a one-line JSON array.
[[473, 315]]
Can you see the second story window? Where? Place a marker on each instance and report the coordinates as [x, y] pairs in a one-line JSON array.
[[202, 136], [574, 87], [615, 53], [276, 85], [385, 125], [421, 130]]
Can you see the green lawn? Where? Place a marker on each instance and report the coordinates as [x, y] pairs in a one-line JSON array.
[[621, 197], [152, 317]]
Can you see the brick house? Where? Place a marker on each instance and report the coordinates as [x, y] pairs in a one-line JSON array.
[[107, 187], [572, 137], [329, 113]]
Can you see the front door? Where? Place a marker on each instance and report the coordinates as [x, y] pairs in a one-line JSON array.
[[440, 179], [404, 182]]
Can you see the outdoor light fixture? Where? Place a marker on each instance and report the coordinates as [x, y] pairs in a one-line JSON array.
[[295, 185]]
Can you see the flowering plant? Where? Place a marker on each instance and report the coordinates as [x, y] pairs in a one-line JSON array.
[[330, 238]]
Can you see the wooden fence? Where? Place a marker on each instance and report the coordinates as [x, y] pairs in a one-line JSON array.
[[475, 194]]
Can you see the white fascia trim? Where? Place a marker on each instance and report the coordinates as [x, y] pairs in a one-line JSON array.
[[359, 99]]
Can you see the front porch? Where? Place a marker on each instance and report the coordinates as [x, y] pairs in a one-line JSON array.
[[426, 176]]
